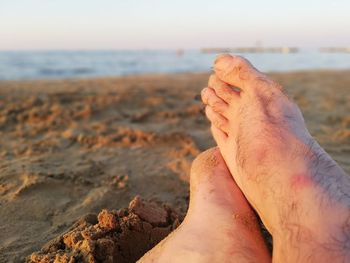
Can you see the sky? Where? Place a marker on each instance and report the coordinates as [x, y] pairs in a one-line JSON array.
[[164, 24]]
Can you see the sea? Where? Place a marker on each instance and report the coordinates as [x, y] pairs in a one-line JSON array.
[[29, 65]]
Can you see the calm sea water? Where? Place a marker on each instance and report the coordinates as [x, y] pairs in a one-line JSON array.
[[25, 65]]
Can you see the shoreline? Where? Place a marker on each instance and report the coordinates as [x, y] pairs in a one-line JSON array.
[[147, 75]]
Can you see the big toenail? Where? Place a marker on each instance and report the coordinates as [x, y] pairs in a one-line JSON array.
[[223, 64], [219, 57]]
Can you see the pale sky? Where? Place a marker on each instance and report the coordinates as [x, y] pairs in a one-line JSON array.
[[153, 24]]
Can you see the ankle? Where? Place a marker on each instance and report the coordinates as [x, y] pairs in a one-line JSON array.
[[316, 218], [320, 204], [303, 244]]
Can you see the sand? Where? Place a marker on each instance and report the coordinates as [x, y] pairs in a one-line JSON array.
[[112, 236], [70, 149]]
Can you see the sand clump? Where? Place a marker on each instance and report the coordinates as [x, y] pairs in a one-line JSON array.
[[122, 235]]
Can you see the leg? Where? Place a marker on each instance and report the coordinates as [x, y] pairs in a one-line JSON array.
[[300, 193], [220, 226]]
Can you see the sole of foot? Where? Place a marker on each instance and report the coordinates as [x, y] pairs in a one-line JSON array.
[[220, 226]]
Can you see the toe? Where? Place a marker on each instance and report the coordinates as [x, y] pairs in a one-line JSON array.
[[207, 165], [216, 119], [219, 136], [217, 104], [223, 90], [209, 158], [211, 184], [238, 71]]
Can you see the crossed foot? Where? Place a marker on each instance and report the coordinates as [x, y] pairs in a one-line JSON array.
[[269, 160]]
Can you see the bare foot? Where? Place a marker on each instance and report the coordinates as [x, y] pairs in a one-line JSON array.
[[301, 194], [219, 226]]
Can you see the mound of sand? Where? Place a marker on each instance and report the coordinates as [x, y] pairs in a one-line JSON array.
[[122, 235]]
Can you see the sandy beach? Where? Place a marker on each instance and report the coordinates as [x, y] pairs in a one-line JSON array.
[[103, 164]]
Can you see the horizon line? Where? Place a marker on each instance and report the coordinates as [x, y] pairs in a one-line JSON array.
[[165, 49]]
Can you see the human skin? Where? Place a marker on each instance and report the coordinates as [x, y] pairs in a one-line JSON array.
[[220, 226], [301, 194]]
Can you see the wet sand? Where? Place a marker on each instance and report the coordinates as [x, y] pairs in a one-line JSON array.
[[70, 149]]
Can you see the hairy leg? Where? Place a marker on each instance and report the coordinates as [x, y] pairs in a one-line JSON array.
[[300, 193]]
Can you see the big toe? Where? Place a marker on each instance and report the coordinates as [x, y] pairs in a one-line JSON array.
[[213, 187], [239, 72]]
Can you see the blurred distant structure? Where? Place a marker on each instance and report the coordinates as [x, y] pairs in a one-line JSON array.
[[335, 49], [257, 49]]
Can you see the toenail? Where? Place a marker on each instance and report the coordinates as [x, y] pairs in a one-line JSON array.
[[204, 96], [220, 56], [223, 64], [235, 89]]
